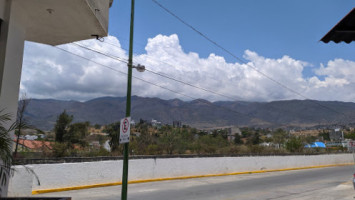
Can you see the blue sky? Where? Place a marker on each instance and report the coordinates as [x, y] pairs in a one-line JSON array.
[[272, 28], [279, 38]]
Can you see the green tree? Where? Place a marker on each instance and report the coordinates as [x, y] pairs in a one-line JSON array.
[[210, 145], [207, 144], [102, 139], [308, 139], [60, 150], [237, 139], [256, 138], [246, 132], [325, 135], [153, 149], [294, 144], [350, 135], [220, 132], [168, 141], [145, 138], [279, 137], [77, 133], [184, 140], [97, 126], [113, 131], [61, 126]]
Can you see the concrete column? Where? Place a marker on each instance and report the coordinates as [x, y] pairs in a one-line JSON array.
[[2, 8], [12, 37]]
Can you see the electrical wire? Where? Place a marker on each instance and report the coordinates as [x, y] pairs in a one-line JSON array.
[[154, 84], [197, 87], [101, 53], [159, 74], [241, 60], [204, 89]]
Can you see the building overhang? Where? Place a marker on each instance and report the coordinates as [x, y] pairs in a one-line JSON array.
[[57, 22], [344, 31]]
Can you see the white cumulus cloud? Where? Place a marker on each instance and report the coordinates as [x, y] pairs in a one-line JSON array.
[[49, 72]]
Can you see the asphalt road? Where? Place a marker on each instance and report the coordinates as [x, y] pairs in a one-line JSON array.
[[324, 183]]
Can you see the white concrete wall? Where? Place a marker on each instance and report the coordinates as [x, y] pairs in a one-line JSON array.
[[88, 173], [12, 37], [21, 182], [15, 28]]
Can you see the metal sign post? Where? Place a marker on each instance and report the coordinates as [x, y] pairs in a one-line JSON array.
[[128, 106], [125, 129]]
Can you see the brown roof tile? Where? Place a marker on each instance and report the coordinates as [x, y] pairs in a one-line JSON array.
[[34, 144]]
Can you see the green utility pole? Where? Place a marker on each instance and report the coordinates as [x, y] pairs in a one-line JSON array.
[[128, 106]]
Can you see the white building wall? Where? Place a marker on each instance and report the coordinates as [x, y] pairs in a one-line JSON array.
[[15, 15], [12, 37], [88, 173], [100, 9]]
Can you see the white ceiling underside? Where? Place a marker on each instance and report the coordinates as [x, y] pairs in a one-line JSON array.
[[57, 22]]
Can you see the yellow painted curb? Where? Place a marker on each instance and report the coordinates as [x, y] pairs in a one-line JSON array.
[[180, 178]]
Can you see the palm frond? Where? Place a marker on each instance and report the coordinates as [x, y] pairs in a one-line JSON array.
[[5, 148], [32, 172], [4, 117]]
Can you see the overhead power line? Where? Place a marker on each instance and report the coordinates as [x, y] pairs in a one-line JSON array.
[[226, 50], [159, 74], [123, 73], [231, 98], [154, 84], [99, 52], [191, 85], [182, 94], [241, 60], [177, 80]]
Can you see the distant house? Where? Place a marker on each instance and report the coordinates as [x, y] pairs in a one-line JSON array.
[[31, 137], [267, 144], [156, 123], [33, 145], [232, 132], [336, 135], [177, 124]]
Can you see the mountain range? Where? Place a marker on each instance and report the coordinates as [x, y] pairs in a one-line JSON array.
[[199, 113]]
